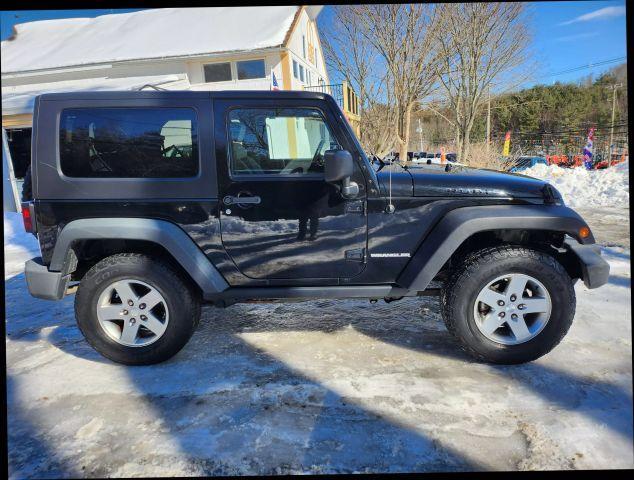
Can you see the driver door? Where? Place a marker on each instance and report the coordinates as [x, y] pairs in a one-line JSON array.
[[280, 220]]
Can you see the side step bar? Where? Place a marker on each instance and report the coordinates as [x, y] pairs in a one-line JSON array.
[[238, 294]]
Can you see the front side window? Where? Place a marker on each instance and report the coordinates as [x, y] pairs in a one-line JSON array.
[[128, 142], [250, 69], [217, 72], [301, 73], [295, 73], [284, 141]]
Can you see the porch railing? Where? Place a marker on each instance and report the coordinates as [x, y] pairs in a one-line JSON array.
[[343, 94]]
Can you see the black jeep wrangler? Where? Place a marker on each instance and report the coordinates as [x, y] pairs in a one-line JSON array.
[[150, 203]]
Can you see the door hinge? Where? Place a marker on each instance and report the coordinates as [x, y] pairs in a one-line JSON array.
[[355, 255]]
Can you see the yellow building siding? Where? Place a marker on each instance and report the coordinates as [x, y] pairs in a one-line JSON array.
[[286, 71], [14, 121]]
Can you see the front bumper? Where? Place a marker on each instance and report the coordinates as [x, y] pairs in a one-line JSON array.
[[594, 269], [43, 283]]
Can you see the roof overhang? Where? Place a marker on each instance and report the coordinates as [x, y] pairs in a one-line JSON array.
[[20, 99]]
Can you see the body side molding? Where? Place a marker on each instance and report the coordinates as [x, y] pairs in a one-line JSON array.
[[461, 223], [161, 232]]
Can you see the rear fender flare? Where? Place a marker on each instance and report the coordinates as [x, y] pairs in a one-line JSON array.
[[161, 232]]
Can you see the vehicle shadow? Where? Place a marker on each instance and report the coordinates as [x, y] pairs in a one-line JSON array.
[[613, 253], [620, 281], [36, 456], [230, 407], [223, 398]]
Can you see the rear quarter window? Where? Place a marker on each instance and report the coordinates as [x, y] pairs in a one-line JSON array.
[[129, 142]]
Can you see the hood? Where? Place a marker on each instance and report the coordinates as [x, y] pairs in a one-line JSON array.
[[459, 181]]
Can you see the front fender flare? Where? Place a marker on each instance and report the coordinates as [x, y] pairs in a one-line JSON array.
[[459, 224], [161, 232]]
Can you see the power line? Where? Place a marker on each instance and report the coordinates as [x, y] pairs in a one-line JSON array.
[[589, 65]]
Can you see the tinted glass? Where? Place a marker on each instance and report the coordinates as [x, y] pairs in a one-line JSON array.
[[250, 69], [278, 141], [524, 162], [128, 142], [217, 72]]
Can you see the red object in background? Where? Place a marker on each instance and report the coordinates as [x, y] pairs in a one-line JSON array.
[[600, 165]]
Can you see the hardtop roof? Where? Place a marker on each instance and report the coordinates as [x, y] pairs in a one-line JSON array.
[[243, 94]]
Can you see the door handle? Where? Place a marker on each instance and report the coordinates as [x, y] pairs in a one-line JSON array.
[[231, 200]]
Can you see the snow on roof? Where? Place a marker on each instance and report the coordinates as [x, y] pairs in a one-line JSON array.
[[157, 33], [20, 99]]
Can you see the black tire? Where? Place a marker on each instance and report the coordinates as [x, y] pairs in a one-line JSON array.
[[27, 187], [481, 267], [182, 301]]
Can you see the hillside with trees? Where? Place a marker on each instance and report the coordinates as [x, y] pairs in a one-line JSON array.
[[544, 118], [428, 74]]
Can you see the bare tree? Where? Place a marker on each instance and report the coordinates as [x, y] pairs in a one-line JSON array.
[[387, 52], [402, 34], [481, 46], [349, 53]]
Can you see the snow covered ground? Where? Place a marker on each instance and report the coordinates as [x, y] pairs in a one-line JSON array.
[[587, 188], [315, 387]]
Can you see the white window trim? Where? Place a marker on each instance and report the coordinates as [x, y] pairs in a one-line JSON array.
[[308, 67], [234, 70]]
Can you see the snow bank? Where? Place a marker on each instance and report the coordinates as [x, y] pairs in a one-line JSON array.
[[587, 188], [19, 246]]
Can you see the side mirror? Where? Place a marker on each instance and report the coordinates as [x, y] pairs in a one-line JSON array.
[[338, 165]]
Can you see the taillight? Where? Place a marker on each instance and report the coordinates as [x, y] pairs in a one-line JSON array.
[[27, 217]]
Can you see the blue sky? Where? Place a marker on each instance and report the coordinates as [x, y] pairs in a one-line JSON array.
[[565, 34], [571, 34]]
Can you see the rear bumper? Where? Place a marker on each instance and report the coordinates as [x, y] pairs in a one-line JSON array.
[[594, 269], [43, 283]]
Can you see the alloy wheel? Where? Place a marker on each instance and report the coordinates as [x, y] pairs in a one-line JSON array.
[[512, 309], [132, 313]]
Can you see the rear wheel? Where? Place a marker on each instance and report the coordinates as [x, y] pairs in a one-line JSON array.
[[135, 309], [508, 304]]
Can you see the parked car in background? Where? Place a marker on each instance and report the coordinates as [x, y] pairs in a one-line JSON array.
[[525, 162], [420, 157]]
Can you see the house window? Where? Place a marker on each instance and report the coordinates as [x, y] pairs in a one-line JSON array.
[[250, 69], [295, 69], [301, 73], [308, 77], [304, 46], [217, 72]]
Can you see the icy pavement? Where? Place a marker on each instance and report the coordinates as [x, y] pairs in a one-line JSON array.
[[315, 387]]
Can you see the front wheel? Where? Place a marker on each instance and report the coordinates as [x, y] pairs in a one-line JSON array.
[[508, 305]]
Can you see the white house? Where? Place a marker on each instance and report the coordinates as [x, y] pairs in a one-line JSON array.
[[218, 48]]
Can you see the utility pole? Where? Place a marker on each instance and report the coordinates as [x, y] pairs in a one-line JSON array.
[[614, 87], [488, 122]]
